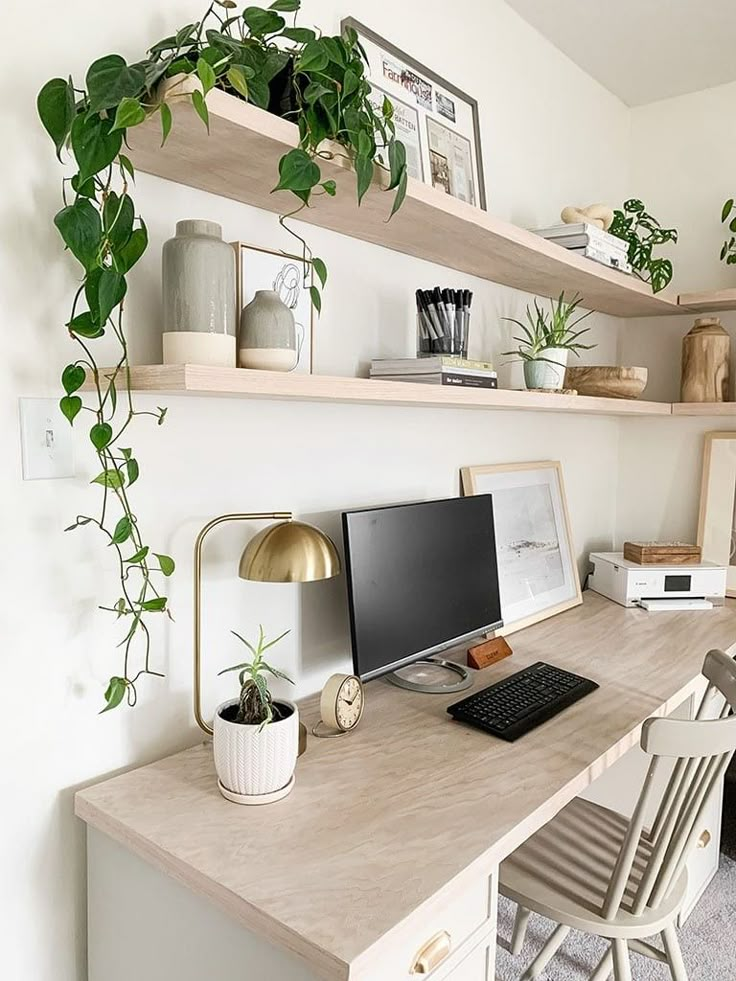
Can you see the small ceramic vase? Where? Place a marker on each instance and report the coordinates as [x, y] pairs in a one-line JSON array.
[[548, 373], [268, 335], [198, 278]]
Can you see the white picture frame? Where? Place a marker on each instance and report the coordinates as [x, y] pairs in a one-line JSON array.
[[537, 568], [258, 268], [717, 515]]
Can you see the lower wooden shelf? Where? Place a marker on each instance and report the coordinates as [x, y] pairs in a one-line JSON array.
[[708, 302], [704, 409], [188, 379]]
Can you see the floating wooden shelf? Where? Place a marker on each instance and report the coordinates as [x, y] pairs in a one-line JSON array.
[[704, 409], [709, 302], [239, 160], [202, 380]]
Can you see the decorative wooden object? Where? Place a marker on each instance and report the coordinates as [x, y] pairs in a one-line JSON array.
[[607, 381], [484, 655], [662, 553], [430, 225], [706, 358], [189, 379]]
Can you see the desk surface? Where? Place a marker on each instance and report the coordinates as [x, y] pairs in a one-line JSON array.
[[382, 819]]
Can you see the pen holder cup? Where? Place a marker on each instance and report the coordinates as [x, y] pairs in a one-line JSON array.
[[429, 345]]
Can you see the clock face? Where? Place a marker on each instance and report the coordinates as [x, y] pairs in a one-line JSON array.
[[349, 703]]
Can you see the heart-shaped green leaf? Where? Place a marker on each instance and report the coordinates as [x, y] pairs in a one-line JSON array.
[[55, 104], [122, 531], [72, 378], [110, 80], [80, 226], [297, 172], [115, 693], [70, 405], [94, 144], [100, 435], [166, 562]]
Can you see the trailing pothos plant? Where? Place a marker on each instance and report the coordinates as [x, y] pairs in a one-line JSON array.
[[319, 83], [644, 233]]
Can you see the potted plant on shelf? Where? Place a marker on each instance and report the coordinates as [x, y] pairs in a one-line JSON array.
[[644, 233], [547, 340], [256, 737], [316, 81]]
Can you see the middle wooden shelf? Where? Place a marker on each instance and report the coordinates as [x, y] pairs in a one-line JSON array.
[[188, 379]]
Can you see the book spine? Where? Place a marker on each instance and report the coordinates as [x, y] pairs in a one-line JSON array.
[[604, 258], [461, 380]]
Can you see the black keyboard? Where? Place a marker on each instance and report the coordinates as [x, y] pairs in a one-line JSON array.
[[521, 702]]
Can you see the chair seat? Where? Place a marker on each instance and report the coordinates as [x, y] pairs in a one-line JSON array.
[[564, 870]]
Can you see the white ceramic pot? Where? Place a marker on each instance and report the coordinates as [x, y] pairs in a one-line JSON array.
[[255, 760], [547, 373]]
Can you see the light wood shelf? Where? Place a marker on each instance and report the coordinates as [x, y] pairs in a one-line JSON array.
[[239, 160], [709, 302], [239, 382], [704, 409]]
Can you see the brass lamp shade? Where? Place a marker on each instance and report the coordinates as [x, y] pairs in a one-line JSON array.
[[289, 551]]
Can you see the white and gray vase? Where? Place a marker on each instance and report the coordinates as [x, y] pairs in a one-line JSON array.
[[198, 278], [549, 371], [268, 335]]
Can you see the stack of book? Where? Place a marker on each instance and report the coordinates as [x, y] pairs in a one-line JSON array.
[[437, 370], [591, 242]]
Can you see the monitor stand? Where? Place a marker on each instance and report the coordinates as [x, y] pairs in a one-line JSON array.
[[427, 676]]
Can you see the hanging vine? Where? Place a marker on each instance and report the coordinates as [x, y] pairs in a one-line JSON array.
[[318, 82]]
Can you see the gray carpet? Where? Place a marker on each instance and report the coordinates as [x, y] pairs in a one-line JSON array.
[[708, 938]]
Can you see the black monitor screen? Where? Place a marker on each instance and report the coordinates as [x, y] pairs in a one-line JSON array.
[[420, 576]]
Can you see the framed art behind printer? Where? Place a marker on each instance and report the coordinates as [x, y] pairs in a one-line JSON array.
[[537, 571], [717, 519]]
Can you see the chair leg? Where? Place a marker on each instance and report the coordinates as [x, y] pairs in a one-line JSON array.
[[520, 924], [674, 954], [621, 962], [603, 970], [546, 954]]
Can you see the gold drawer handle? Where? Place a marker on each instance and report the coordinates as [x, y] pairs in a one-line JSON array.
[[705, 839], [432, 953]]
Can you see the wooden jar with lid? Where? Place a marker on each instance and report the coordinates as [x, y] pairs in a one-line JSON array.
[[706, 360]]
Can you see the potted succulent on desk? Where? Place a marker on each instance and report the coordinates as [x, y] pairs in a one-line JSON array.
[[256, 737], [546, 342]]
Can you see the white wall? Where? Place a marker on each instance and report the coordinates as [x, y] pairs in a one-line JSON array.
[[682, 166], [221, 455]]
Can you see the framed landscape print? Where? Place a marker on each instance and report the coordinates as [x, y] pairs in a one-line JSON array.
[[437, 122], [717, 519], [269, 269], [537, 571]]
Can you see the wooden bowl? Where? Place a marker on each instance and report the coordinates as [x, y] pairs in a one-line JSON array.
[[607, 381]]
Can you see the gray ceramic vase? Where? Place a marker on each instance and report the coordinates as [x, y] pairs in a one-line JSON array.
[[268, 336], [198, 277]]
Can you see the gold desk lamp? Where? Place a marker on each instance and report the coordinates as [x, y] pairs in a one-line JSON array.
[[287, 551]]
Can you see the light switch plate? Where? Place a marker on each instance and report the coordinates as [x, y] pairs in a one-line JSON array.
[[46, 440]]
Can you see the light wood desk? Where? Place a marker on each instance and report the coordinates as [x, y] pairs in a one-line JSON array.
[[390, 836]]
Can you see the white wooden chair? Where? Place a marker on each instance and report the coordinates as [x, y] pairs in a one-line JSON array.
[[594, 870]]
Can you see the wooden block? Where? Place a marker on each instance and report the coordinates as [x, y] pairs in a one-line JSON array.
[[488, 653], [662, 553]]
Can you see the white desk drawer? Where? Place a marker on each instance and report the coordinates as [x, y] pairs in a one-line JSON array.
[[432, 939]]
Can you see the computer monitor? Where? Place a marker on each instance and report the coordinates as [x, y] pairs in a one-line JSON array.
[[421, 577]]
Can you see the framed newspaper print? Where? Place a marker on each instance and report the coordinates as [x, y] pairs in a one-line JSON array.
[[437, 122]]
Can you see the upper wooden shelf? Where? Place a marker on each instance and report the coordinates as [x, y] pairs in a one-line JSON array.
[[188, 379], [709, 302], [239, 160]]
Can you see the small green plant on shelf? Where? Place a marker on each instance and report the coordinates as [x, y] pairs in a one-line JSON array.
[[728, 217], [556, 330], [256, 705], [644, 234], [317, 82]]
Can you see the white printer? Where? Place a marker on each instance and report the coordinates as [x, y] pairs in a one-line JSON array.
[[657, 587]]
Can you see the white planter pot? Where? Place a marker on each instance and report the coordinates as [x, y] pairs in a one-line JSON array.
[[253, 761], [548, 373]]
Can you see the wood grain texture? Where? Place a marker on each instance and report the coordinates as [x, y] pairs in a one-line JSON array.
[[382, 821], [283, 386], [662, 553], [239, 160], [706, 362], [708, 301], [704, 409], [607, 381]]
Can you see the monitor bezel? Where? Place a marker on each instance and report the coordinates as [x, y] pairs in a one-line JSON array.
[[428, 651]]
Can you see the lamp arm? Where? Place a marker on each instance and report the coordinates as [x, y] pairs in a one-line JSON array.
[[222, 519]]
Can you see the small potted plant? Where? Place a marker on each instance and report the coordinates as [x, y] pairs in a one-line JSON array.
[[256, 737], [547, 340]]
